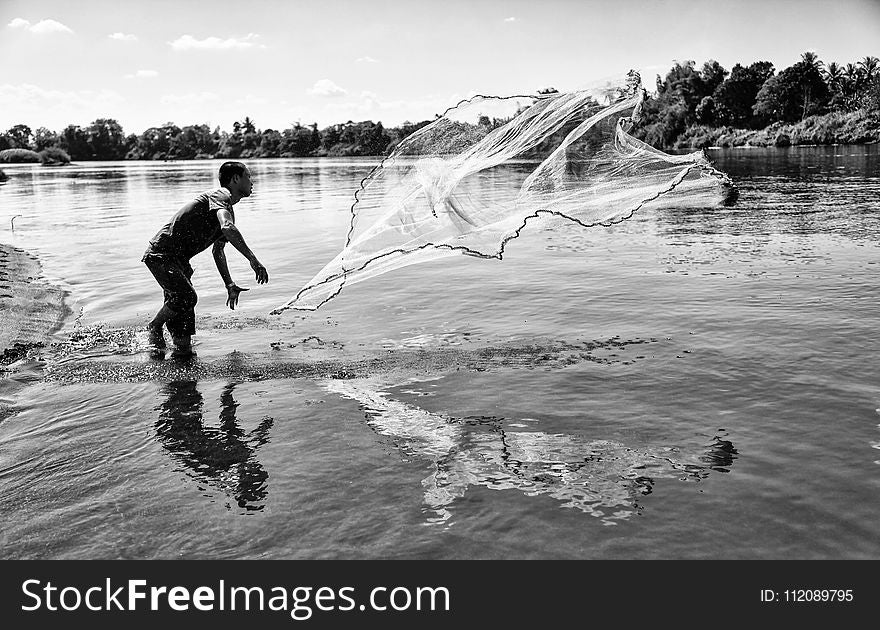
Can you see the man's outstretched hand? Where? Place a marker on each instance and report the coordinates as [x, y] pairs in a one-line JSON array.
[[232, 292], [260, 272]]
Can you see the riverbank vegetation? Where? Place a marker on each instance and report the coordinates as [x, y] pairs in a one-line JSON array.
[[809, 102], [13, 156], [54, 156]]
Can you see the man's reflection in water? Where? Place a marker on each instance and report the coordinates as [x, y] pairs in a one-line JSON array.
[[223, 456], [603, 478]]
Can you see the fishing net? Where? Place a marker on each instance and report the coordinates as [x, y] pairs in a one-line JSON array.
[[471, 181]]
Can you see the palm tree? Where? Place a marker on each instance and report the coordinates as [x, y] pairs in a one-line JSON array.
[[811, 76], [833, 75], [869, 66], [248, 125], [851, 84], [810, 58], [852, 78]]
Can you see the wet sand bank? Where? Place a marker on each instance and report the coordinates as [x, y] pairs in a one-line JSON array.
[[30, 308]]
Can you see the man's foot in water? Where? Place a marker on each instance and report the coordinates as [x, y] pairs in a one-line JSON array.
[[182, 348], [155, 337]]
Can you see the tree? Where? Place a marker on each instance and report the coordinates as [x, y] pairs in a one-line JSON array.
[[853, 74], [299, 141], [833, 75], [270, 144], [45, 138], [156, 142], [685, 83], [248, 126], [713, 75], [372, 138], [193, 141], [795, 93], [21, 136], [735, 96], [230, 146], [633, 83], [330, 137], [106, 139], [809, 59], [870, 99], [250, 143], [314, 139], [669, 113], [851, 85], [75, 142], [705, 112], [869, 67], [131, 147], [662, 122]]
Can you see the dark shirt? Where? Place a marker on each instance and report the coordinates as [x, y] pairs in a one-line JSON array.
[[194, 228]]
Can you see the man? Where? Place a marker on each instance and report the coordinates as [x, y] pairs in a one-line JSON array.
[[208, 219]]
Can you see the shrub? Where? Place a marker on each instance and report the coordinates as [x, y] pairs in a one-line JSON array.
[[782, 140], [52, 156], [15, 156], [698, 137]]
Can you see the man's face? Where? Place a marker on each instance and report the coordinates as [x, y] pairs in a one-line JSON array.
[[245, 185]]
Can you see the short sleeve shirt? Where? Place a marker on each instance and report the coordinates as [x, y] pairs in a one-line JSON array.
[[194, 228]]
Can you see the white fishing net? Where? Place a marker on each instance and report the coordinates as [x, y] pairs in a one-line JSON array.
[[470, 181]]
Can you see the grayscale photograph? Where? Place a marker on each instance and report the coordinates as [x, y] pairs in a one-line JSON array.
[[470, 280]]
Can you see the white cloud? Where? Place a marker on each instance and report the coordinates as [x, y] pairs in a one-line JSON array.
[[326, 87], [366, 59], [510, 19], [142, 74], [42, 27], [188, 42], [189, 100], [123, 37], [49, 26]]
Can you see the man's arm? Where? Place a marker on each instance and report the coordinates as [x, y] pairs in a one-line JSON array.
[[220, 261], [231, 233], [232, 289]]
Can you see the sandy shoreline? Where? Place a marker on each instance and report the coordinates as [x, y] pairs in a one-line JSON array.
[[30, 309]]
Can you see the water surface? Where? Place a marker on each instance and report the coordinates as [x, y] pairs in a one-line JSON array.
[[691, 383]]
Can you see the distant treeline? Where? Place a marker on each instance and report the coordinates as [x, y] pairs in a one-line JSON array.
[[807, 103], [105, 139]]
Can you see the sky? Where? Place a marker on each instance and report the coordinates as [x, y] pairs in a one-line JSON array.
[[280, 62]]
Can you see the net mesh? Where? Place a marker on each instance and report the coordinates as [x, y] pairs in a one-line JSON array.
[[471, 181]]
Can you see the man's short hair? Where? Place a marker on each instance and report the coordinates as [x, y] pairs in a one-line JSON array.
[[228, 170]]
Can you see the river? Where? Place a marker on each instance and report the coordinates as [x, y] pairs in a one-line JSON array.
[[690, 383]]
